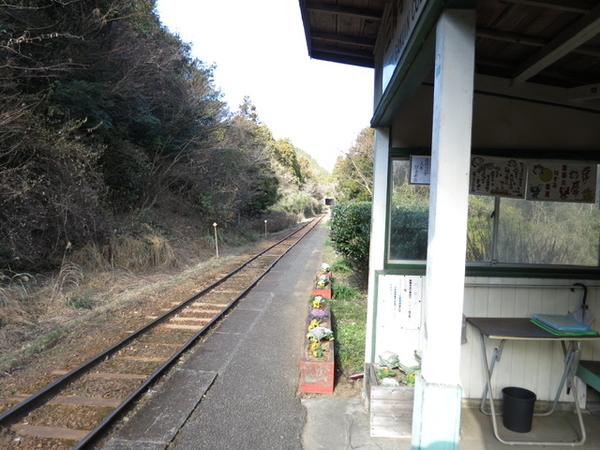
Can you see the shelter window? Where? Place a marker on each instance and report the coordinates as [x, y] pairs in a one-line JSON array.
[[409, 215], [503, 233]]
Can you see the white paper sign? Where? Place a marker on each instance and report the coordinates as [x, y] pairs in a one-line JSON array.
[[504, 177], [566, 181], [400, 300], [420, 169]]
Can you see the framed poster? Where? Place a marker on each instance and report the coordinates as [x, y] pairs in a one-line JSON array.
[[420, 169], [502, 177], [561, 181]]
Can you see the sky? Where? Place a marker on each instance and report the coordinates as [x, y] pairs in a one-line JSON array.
[[259, 50]]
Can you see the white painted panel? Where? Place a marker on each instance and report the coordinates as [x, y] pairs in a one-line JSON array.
[[537, 366], [533, 365]]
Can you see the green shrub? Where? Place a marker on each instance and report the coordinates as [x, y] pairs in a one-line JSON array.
[[82, 302], [350, 233]]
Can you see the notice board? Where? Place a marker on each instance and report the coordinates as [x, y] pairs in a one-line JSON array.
[[399, 315]]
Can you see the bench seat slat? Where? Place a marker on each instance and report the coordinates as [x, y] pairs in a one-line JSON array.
[[589, 373]]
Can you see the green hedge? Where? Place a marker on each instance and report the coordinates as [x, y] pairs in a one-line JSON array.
[[350, 233]]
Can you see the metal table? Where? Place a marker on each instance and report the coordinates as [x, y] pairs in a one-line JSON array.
[[506, 329]]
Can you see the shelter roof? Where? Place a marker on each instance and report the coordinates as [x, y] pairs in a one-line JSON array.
[[547, 42], [343, 31]]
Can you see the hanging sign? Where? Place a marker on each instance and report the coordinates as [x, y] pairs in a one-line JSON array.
[[420, 169], [517, 178], [502, 177], [567, 182], [399, 22]]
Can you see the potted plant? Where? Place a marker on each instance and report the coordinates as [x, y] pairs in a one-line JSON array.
[[389, 389], [322, 286], [325, 270]]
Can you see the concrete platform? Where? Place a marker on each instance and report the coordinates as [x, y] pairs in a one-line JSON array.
[[348, 425], [477, 432], [239, 390]]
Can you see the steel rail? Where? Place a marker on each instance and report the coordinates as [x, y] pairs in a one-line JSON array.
[[38, 399]]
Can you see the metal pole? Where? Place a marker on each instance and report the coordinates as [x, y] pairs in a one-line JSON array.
[[216, 239], [265, 227]]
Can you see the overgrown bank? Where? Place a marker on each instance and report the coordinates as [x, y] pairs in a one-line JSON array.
[[105, 117]]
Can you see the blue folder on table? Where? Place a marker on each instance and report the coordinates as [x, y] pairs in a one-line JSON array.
[[562, 324]]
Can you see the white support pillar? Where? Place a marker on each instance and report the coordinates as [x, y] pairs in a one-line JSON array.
[[378, 215], [436, 421]]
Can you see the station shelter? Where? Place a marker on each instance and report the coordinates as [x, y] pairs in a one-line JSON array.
[[487, 144]]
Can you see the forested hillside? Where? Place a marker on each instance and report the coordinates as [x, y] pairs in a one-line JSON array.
[[105, 115]]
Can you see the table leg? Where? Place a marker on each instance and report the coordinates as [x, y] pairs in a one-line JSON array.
[[496, 355], [571, 359]]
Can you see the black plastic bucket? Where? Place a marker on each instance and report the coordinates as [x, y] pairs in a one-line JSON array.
[[517, 409]]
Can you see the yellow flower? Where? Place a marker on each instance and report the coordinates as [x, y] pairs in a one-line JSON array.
[[313, 324]]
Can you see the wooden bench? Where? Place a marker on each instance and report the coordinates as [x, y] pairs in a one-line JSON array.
[[589, 373]]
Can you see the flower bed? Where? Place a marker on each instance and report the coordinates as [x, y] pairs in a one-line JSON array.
[[389, 389], [317, 367]]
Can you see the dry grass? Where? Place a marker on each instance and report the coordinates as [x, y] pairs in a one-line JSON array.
[[17, 307], [96, 282], [24, 300], [140, 254], [35, 311]]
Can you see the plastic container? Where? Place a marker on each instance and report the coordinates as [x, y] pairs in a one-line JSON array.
[[517, 409]]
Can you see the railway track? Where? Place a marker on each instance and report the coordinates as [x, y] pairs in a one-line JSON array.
[[83, 403]]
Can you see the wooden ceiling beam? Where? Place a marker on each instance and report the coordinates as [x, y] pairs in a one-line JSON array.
[[572, 37], [344, 59], [343, 51], [588, 92], [529, 40], [560, 5], [514, 38], [373, 14], [343, 39]]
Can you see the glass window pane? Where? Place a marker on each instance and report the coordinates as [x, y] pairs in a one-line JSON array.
[[480, 228], [408, 215], [526, 232], [548, 233]]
